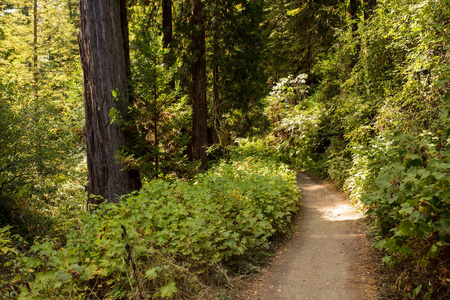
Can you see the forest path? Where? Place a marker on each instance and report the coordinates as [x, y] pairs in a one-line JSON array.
[[327, 259]]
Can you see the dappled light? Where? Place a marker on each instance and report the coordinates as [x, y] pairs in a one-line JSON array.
[[149, 148], [340, 212]]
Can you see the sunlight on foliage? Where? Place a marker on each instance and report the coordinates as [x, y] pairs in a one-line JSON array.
[[181, 235]]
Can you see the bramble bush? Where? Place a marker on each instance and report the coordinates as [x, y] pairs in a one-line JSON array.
[[169, 239]]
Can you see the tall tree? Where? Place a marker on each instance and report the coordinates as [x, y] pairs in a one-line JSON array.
[[167, 39], [236, 55], [104, 51], [35, 54], [199, 105], [167, 22]]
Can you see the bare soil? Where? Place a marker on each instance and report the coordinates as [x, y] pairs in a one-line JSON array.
[[329, 257]]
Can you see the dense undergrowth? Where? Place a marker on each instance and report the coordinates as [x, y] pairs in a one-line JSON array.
[[407, 189], [173, 238]]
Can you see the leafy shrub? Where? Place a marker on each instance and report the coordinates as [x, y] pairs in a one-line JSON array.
[[407, 190], [338, 167], [285, 95], [259, 148], [168, 239]]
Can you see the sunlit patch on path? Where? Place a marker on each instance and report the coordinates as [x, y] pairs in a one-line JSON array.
[[319, 262]]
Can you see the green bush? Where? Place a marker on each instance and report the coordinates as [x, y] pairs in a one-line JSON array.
[[406, 184], [168, 239]]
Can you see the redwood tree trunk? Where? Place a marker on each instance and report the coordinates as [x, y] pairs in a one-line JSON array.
[[199, 111], [104, 52]]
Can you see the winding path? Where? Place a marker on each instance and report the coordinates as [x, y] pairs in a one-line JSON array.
[[328, 257]]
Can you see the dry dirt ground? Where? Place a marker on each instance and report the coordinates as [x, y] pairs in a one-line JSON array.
[[329, 257]]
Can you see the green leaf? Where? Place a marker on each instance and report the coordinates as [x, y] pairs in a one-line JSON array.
[[386, 259], [443, 223], [293, 12], [270, 208], [168, 290], [76, 268], [379, 244], [88, 273], [447, 96], [415, 291], [434, 250], [16, 278], [404, 228], [391, 245], [32, 262], [423, 230], [406, 209], [151, 273], [45, 278], [7, 249], [62, 276], [445, 194]]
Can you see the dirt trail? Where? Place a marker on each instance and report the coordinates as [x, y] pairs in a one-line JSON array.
[[328, 257]]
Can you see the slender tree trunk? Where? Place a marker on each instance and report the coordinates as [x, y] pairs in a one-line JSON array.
[[216, 94], [104, 52], [167, 23], [199, 113], [353, 9], [216, 132], [35, 54], [168, 36], [156, 120]]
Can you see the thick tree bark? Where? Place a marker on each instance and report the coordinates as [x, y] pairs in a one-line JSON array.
[[104, 52], [199, 111]]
